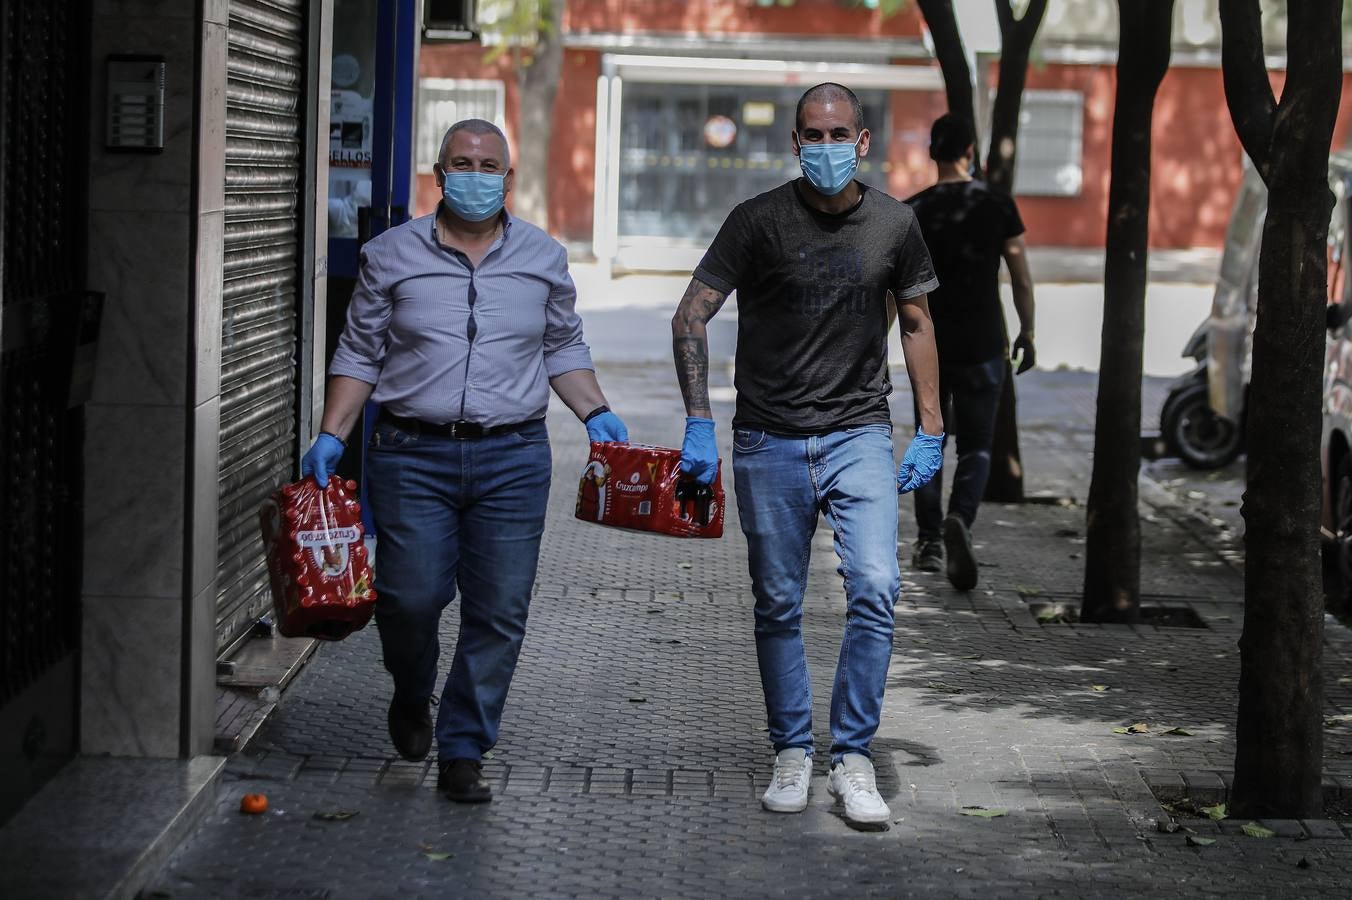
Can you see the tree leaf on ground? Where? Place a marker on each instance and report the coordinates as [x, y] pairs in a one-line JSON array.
[[1137, 728], [1194, 841], [1177, 730], [488, 754], [1253, 829], [341, 815], [1098, 688], [638, 699], [1215, 813], [944, 687], [983, 813], [685, 565], [438, 855]]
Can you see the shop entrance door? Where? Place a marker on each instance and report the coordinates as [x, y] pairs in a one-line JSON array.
[[44, 134]]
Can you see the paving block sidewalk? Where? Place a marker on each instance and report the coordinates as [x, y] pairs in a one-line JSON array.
[[633, 749]]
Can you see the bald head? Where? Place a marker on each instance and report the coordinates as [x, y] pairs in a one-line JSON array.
[[832, 93], [480, 127]]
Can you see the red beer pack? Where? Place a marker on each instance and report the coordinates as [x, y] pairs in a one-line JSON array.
[[639, 486], [317, 561]]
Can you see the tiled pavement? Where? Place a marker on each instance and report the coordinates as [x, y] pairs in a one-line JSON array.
[[633, 747]]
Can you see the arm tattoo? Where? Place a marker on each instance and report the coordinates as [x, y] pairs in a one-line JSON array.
[[690, 344]]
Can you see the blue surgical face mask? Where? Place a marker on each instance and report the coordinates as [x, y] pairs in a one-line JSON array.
[[474, 196], [829, 166]]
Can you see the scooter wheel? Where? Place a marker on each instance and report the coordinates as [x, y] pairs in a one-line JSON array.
[[1196, 434]]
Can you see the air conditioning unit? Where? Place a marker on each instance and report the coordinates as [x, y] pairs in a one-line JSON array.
[[449, 20]]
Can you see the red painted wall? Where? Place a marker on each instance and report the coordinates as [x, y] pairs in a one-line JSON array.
[[1196, 159], [805, 17], [572, 165]]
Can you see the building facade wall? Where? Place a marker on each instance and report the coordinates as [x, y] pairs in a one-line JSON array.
[[1197, 161], [805, 17]]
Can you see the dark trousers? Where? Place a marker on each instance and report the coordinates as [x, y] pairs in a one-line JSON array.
[[457, 514], [969, 397]]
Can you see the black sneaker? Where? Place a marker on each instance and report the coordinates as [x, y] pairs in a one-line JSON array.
[[411, 728], [961, 561], [462, 780], [928, 556]]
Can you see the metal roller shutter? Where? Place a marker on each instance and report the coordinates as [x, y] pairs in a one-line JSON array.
[[258, 324]]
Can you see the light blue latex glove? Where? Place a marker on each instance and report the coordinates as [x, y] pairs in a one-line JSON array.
[[923, 458], [607, 427], [322, 458], [699, 452]]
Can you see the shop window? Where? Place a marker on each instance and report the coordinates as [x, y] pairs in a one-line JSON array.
[[444, 101], [1051, 139]]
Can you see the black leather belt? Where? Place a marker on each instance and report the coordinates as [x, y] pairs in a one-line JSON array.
[[460, 431]]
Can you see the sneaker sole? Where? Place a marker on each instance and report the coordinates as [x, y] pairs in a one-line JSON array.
[[771, 806], [879, 819], [961, 562]]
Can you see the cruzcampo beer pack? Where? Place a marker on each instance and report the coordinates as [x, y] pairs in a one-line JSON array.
[[317, 560], [640, 487]]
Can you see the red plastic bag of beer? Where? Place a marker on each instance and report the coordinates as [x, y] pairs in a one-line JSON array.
[[317, 561], [639, 486]]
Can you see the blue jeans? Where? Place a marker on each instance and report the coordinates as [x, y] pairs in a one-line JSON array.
[[970, 398], [783, 484], [448, 513]]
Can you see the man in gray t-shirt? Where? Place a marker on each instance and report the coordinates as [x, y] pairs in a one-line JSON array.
[[813, 263]]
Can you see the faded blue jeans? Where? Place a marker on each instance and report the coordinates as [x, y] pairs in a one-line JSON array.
[[783, 484], [970, 399], [457, 513]]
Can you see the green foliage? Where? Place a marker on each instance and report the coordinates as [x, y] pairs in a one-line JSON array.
[[519, 24]]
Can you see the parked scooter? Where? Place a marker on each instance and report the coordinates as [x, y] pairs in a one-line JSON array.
[[1189, 428]]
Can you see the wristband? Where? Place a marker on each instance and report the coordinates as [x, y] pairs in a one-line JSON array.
[[336, 438], [596, 412]]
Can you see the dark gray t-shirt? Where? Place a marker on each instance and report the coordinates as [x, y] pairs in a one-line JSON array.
[[811, 306]]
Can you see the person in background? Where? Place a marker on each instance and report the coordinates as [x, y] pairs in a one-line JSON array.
[[813, 262], [461, 322], [969, 228]]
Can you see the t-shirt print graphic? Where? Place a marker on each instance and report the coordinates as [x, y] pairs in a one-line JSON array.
[[830, 281]]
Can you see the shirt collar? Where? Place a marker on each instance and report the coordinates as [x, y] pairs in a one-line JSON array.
[[507, 220]]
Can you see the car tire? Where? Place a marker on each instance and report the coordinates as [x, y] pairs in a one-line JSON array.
[[1195, 433]]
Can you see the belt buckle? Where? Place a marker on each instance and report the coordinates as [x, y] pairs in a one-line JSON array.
[[463, 431]]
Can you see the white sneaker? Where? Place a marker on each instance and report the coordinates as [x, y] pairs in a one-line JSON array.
[[787, 792], [852, 783]]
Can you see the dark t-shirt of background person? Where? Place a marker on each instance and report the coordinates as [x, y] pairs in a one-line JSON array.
[[811, 306], [966, 224]]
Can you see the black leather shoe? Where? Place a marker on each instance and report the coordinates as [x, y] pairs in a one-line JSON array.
[[411, 728], [462, 780], [961, 560]]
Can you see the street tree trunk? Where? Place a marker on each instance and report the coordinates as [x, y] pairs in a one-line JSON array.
[[1279, 734], [1016, 42], [1112, 571], [952, 56], [538, 79], [1005, 484]]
